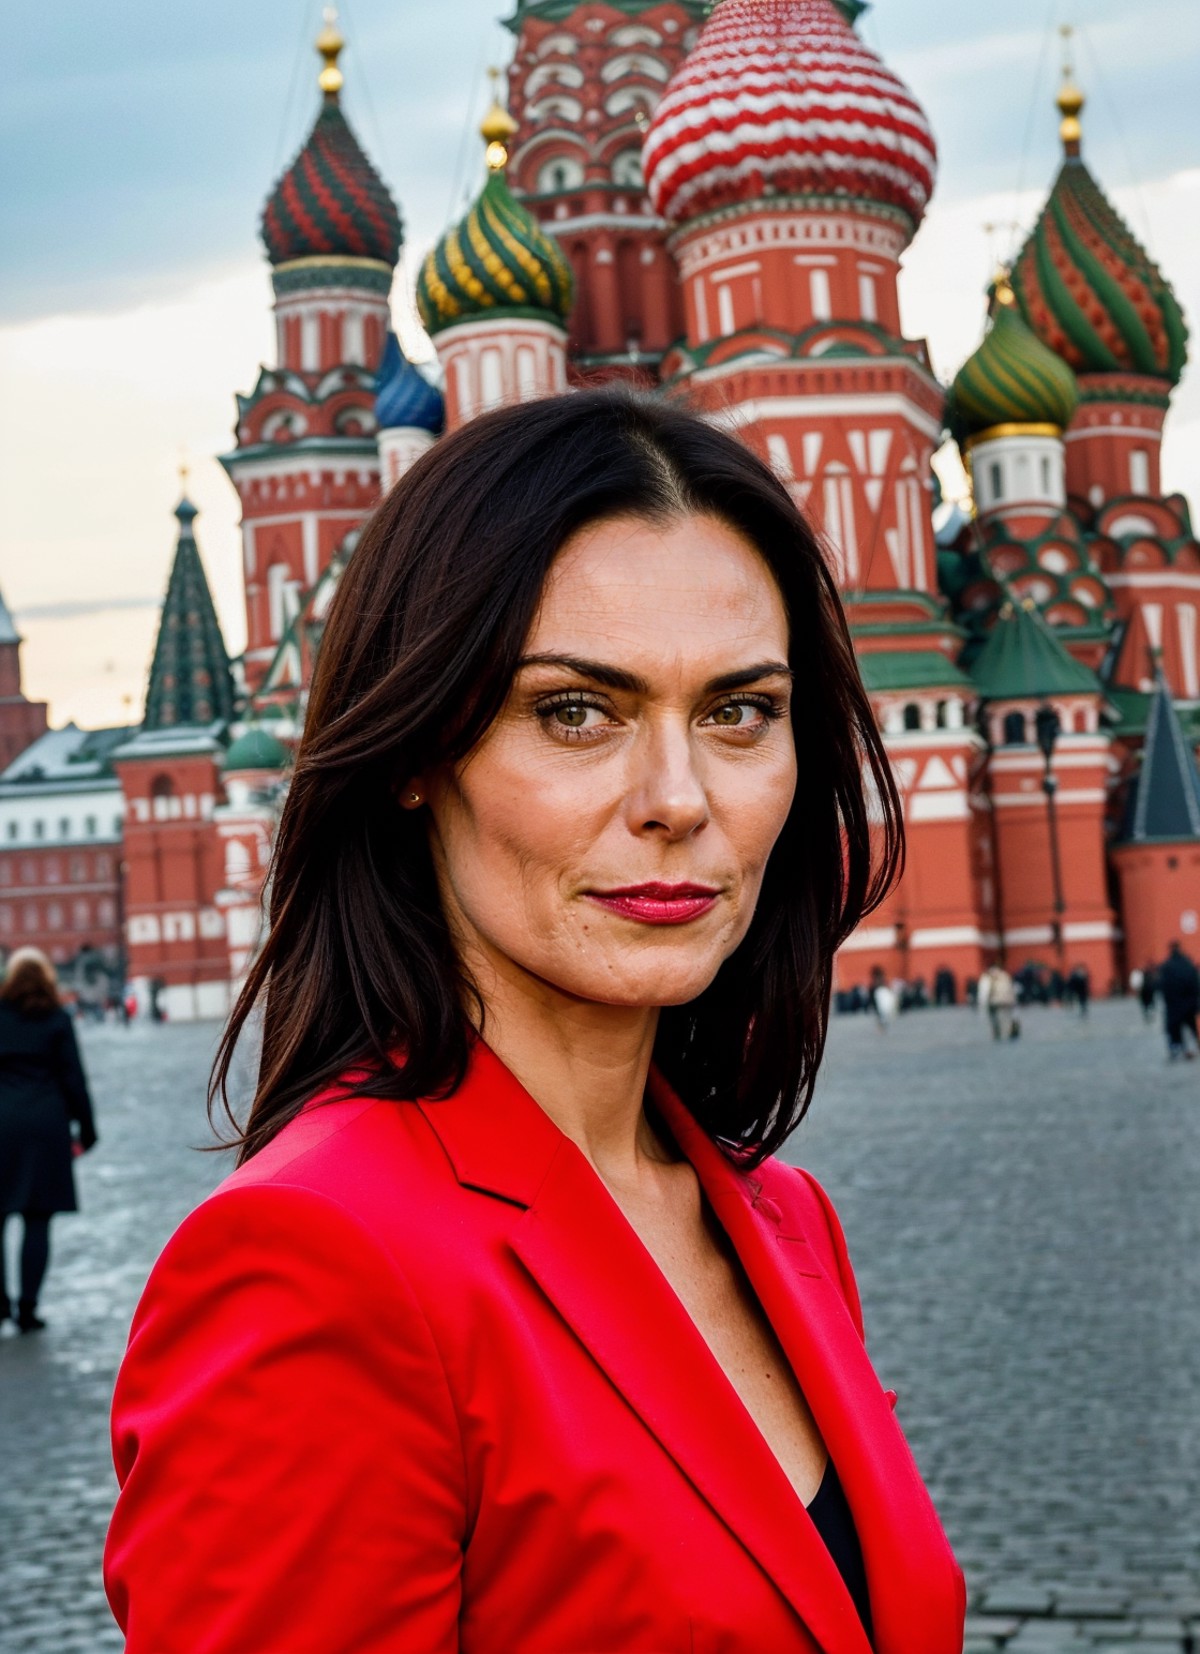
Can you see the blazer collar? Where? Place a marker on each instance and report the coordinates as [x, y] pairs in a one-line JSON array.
[[586, 1257]]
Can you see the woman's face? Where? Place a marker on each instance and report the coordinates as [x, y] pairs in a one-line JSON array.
[[609, 835]]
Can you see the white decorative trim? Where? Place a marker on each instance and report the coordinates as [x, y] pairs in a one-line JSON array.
[[811, 408]]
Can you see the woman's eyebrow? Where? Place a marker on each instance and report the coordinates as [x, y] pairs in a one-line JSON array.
[[612, 677], [616, 677]]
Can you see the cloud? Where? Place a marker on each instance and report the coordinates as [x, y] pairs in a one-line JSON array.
[[75, 608]]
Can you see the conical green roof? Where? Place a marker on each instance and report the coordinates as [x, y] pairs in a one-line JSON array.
[[190, 680], [499, 260], [1012, 379], [1022, 659], [1164, 802]]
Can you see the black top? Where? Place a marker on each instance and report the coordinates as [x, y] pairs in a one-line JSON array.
[[42, 1094], [834, 1521]]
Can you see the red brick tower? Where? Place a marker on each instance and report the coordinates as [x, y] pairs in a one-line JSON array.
[[306, 465], [178, 957], [584, 81], [1157, 854], [21, 720]]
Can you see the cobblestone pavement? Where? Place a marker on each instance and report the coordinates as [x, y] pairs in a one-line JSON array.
[[1024, 1221], [1025, 1225]]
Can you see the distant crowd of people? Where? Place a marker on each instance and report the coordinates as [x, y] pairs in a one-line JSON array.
[[1001, 994]]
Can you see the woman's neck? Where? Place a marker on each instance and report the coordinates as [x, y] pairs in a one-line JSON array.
[[585, 1064]]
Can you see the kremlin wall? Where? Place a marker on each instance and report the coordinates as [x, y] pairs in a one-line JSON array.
[[712, 203]]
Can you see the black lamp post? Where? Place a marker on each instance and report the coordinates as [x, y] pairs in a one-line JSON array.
[[1048, 729], [984, 726]]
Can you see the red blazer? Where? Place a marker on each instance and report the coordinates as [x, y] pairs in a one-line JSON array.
[[409, 1383]]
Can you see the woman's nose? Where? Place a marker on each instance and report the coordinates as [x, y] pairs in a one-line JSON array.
[[667, 794]]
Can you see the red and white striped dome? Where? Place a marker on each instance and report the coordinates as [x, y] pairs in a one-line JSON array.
[[783, 96]]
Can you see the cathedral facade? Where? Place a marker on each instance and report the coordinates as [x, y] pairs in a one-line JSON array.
[[713, 203]]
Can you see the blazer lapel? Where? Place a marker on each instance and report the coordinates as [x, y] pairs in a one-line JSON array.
[[578, 1246], [910, 1570]]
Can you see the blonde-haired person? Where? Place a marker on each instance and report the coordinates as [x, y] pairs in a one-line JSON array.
[[43, 1094]]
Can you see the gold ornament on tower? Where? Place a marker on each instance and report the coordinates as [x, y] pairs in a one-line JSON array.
[[1070, 99], [498, 129], [330, 43]]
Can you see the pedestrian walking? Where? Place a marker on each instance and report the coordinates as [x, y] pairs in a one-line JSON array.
[[510, 1331], [1179, 985], [998, 995], [43, 1095], [885, 1000], [1079, 985], [1147, 990]]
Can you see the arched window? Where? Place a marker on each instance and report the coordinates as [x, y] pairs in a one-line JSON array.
[[162, 798], [912, 716], [627, 169], [940, 718], [564, 172], [1016, 730]]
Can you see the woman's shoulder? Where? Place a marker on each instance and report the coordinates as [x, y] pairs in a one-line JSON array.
[[368, 1163]]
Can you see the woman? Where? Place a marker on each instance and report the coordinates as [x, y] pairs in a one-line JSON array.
[[508, 1335], [42, 1094]]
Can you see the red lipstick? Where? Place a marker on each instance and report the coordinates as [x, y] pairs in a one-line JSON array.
[[658, 904]]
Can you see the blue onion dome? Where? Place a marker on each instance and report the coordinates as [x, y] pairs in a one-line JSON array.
[[499, 260], [404, 398], [1012, 379]]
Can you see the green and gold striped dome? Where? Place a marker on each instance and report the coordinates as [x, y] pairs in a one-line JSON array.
[[499, 259], [1012, 379]]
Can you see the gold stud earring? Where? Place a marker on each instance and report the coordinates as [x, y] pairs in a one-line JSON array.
[[414, 798]]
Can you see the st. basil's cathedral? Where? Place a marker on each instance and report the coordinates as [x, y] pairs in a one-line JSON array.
[[713, 203]]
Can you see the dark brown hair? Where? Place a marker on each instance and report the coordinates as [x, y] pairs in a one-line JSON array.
[[417, 660], [30, 983]]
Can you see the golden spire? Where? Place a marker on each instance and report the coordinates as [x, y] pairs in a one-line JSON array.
[[330, 43], [1070, 99], [498, 128]]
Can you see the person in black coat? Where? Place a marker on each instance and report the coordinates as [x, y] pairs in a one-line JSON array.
[[1179, 985], [43, 1095]]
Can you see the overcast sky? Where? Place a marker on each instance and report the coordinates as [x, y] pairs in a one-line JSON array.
[[138, 142]]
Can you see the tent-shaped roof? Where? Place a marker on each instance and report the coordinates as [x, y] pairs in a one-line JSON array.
[[1164, 801], [1022, 659], [190, 680]]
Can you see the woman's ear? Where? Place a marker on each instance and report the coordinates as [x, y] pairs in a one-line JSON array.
[[411, 793]]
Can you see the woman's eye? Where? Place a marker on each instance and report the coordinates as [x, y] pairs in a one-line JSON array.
[[739, 715], [573, 717]]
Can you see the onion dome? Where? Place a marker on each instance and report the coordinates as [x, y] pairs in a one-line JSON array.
[[256, 749], [499, 259], [1086, 286], [1012, 379], [331, 203], [404, 398], [782, 97]]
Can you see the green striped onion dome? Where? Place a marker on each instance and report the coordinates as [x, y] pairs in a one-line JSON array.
[[1012, 379], [1091, 292], [499, 259]]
